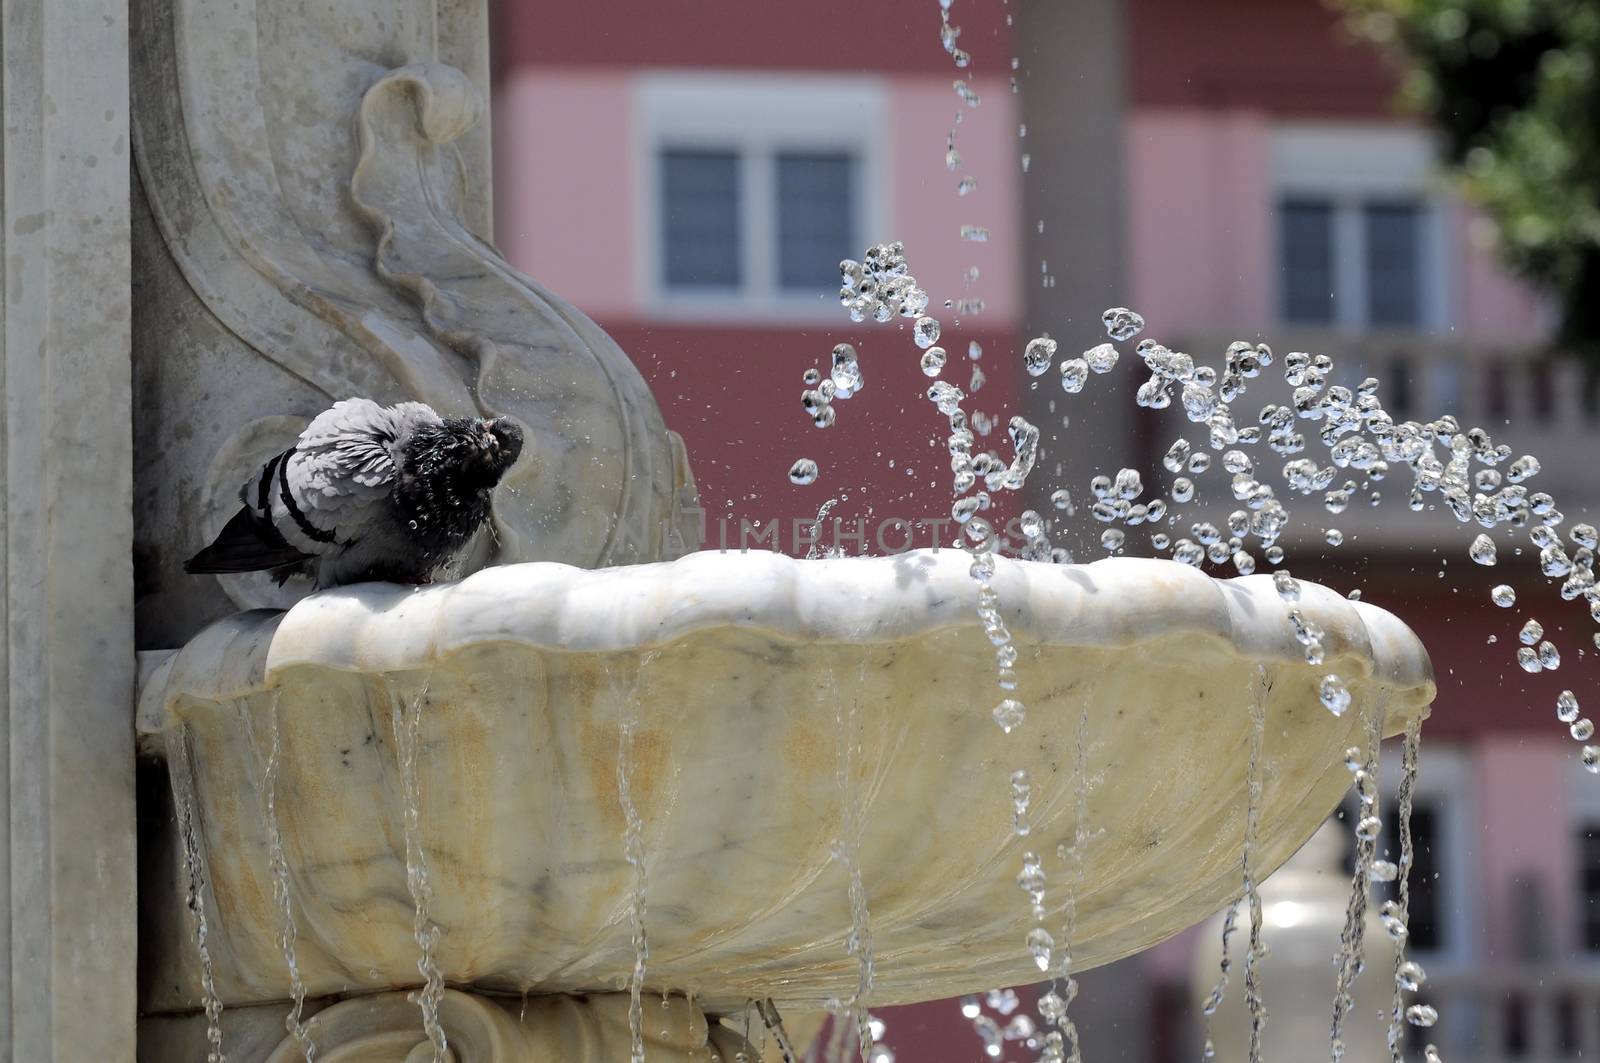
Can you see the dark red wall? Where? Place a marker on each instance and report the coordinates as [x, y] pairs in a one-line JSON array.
[[875, 36], [1289, 57], [733, 393]]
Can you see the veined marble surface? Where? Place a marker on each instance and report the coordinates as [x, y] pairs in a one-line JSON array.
[[750, 677]]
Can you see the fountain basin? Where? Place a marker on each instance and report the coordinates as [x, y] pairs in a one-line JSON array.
[[753, 678]]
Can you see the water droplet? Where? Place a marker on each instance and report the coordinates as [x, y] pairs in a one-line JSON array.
[[1393, 920], [1288, 586], [1384, 871], [1531, 633], [812, 377], [1566, 706], [1038, 354], [933, 361], [1074, 373], [1182, 489], [925, 332], [1482, 550], [1335, 537], [1528, 660], [1549, 656], [1411, 976], [1583, 730], [1422, 1015], [803, 472], [1335, 697], [1591, 759], [1040, 943], [1504, 596], [1061, 499], [967, 186], [1009, 714], [1102, 358], [1122, 323]]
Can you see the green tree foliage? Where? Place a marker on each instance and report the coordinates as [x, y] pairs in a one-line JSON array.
[[1514, 87]]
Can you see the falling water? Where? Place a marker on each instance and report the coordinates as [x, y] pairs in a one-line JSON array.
[[279, 862], [780, 1036], [1408, 974], [1261, 688], [1363, 764], [180, 771], [1219, 991], [1062, 1043], [846, 850], [633, 852], [407, 723]]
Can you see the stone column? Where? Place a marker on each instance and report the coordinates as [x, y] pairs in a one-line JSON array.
[[1075, 104], [66, 524]]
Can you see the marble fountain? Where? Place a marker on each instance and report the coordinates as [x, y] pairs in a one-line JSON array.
[[598, 705]]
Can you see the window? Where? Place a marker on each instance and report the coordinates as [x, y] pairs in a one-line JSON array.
[[700, 219], [756, 186], [807, 200], [1352, 262], [1306, 228], [1360, 244], [815, 203]]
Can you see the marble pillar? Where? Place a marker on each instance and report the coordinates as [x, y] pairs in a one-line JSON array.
[[67, 992]]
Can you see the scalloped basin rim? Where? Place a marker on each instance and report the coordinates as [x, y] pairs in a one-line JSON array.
[[782, 678], [1113, 603]]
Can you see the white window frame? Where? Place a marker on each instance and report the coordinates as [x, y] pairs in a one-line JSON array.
[[1351, 165], [757, 117], [1445, 782]]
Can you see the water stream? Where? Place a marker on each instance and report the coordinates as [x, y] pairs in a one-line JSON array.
[[1261, 689], [1219, 991], [180, 769], [846, 851], [406, 719], [633, 850], [1408, 974], [278, 860], [1061, 1043], [1363, 765]]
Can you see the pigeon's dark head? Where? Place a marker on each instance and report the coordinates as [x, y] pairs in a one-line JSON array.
[[471, 452]]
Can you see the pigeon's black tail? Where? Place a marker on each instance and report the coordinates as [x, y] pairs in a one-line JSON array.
[[249, 543]]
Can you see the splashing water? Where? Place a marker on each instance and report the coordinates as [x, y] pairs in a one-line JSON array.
[[181, 772], [633, 851], [407, 723], [1363, 765], [299, 1031], [1261, 688], [1408, 974]]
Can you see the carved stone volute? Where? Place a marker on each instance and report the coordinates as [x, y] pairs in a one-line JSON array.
[[312, 211]]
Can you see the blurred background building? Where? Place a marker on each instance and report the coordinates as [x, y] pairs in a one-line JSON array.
[[690, 174]]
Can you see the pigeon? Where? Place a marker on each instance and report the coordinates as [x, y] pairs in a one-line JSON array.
[[367, 492]]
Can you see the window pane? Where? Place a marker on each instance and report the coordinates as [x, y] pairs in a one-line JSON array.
[[1305, 248], [700, 219], [1394, 259], [816, 219], [1589, 886]]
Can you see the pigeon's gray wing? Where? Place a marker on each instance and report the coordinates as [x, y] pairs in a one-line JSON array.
[[333, 486]]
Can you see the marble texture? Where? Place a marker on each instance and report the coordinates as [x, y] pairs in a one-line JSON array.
[[749, 676], [67, 901]]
